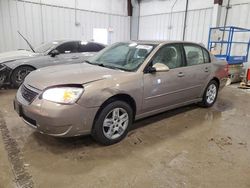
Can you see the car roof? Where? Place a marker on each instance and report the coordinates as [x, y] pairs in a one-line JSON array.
[[158, 42], [68, 40]]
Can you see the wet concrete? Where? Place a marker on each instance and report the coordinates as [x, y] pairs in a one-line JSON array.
[[6, 177], [186, 147]]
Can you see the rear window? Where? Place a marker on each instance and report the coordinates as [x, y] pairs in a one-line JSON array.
[[194, 55], [90, 47], [68, 47]]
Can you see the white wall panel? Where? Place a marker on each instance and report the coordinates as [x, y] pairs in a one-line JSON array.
[[155, 15], [159, 27], [48, 22], [106, 6], [198, 24], [164, 20], [239, 16], [149, 7]]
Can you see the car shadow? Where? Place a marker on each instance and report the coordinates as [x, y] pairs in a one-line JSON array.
[[161, 116], [87, 141], [83, 149], [164, 125]]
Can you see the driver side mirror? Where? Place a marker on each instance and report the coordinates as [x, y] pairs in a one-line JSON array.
[[54, 53], [160, 67]]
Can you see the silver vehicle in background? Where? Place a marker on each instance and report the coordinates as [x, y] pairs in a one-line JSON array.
[[125, 82], [13, 72]]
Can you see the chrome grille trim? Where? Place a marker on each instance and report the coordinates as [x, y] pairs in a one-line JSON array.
[[28, 94]]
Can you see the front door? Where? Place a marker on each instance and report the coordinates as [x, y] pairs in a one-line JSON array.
[[168, 88]]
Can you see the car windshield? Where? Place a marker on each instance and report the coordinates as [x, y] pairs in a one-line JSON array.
[[126, 56], [46, 46]]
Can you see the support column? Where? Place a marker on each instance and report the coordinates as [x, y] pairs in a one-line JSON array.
[[134, 22], [216, 13]]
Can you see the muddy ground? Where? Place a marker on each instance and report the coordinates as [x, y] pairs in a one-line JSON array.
[[186, 147]]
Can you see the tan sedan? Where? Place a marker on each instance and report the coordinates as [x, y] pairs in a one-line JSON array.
[[122, 83]]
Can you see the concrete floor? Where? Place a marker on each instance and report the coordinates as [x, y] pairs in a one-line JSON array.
[[187, 147]]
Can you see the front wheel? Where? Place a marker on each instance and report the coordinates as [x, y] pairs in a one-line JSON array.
[[112, 123], [210, 94], [19, 75]]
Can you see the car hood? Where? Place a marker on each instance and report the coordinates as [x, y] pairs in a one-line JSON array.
[[69, 74], [39, 61], [31, 60], [14, 55]]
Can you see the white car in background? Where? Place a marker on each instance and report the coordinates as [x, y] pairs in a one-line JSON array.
[[14, 55], [19, 54], [14, 69]]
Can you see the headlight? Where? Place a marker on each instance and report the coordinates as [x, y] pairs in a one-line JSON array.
[[65, 95]]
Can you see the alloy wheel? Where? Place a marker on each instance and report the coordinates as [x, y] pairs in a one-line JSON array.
[[115, 123], [21, 74], [211, 93]]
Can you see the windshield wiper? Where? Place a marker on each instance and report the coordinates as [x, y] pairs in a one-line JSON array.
[[111, 67], [106, 66], [102, 65], [89, 62]]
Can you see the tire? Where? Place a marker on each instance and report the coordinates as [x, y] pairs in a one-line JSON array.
[[210, 94], [19, 74], [115, 129]]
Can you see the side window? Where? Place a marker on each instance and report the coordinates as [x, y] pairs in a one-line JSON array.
[[194, 55], [169, 55], [206, 56], [68, 47], [98, 47], [90, 47]]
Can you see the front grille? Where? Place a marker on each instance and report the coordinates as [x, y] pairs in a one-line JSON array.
[[28, 94]]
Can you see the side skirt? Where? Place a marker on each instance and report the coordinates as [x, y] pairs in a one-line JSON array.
[[153, 112]]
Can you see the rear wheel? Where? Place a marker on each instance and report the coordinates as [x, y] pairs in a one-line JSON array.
[[112, 123], [210, 94], [19, 75]]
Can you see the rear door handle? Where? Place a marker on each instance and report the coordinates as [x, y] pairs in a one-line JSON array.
[[206, 69], [180, 74]]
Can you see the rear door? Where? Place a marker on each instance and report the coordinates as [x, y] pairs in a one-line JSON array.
[[197, 69], [68, 53]]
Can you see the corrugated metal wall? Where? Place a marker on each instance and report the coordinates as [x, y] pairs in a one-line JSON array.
[[199, 18], [159, 26], [170, 26], [198, 24], [238, 15], [45, 22]]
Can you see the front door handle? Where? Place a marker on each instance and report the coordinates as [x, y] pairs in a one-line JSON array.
[[180, 74], [206, 69]]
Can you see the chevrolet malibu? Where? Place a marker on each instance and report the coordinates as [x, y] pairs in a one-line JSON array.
[[125, 82]]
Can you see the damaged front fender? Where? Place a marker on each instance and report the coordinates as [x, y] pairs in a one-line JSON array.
[[4, 75]]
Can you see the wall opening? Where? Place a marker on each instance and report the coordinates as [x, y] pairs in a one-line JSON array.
[[100, 35]]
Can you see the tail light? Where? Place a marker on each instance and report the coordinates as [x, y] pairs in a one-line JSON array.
[[248, 74]]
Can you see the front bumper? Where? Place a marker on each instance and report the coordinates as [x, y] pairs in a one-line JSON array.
[[5, 75], [55, 119]]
